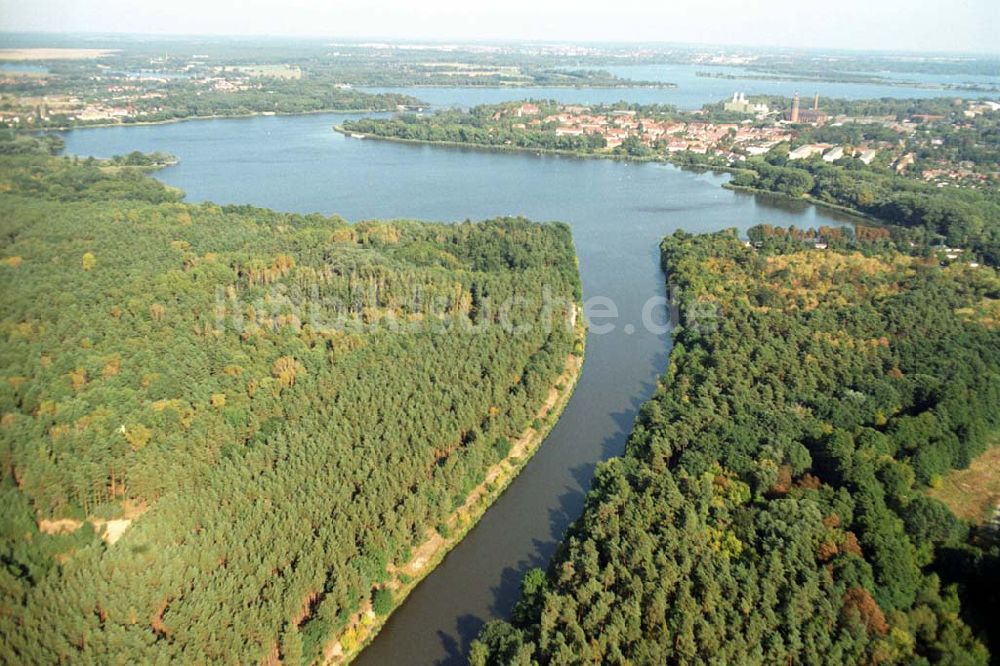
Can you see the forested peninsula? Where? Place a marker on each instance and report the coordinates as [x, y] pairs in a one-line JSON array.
[[228, 433], [771, 504]]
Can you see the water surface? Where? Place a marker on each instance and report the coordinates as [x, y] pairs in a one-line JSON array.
[[692, 91]]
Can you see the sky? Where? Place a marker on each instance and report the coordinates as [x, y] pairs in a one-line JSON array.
[[895, 25]]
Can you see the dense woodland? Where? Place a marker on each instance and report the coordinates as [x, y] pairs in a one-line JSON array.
[[960, 217], [283, 405], [276, 96], [770, 505], [14, 143]]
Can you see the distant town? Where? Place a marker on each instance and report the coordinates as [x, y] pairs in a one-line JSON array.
[[763, 128]]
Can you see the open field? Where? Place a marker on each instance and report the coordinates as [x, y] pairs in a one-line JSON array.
[[54, 54], [973, 493]]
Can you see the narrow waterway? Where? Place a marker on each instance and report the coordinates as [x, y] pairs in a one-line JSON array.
[[618, 213]]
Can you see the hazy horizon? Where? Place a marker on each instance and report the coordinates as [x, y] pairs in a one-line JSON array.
[[440, 41], [854, 25]]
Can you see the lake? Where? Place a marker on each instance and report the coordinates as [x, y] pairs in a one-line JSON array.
[[692, 91], [618, 212]]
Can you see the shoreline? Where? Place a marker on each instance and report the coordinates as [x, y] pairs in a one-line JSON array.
[[171, 121], [254, 114], [889, 83], [657, 159], [625, 85], [698, 168], [809, 200], [364, 625], [510, 149]]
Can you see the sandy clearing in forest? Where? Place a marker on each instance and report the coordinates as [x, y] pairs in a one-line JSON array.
[[61, 526], [973, 493], [112, 529]]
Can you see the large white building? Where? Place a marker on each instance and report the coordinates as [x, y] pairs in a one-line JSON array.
[[868, 155], [833, 154], [740, 104], [806, 151]]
